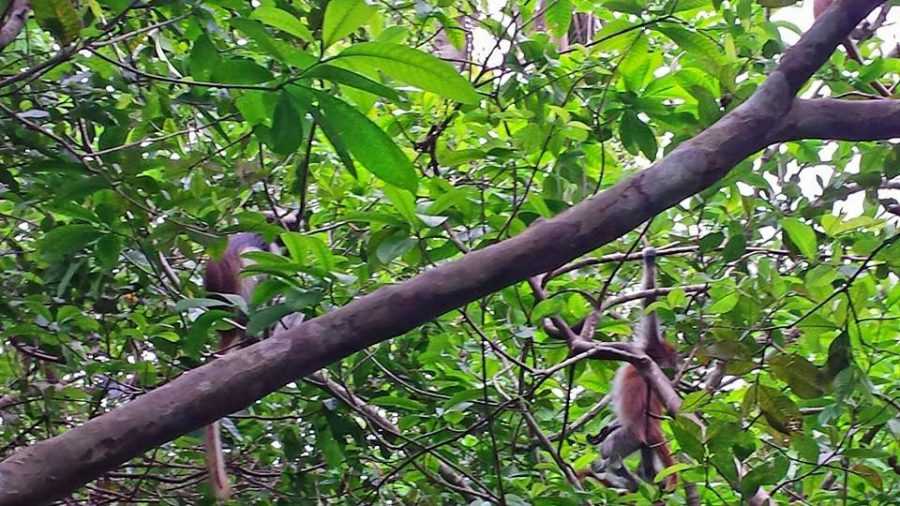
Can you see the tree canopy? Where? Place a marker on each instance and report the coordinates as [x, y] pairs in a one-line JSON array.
[[462, 191]]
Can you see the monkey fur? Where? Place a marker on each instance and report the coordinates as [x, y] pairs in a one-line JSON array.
[[638, 410], [223, 276]]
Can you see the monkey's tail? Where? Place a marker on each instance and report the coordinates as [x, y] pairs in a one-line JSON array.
[[215, 463], [658, 447], [649, 282], [671, 481]]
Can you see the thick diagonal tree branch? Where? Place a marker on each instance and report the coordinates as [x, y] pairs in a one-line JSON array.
[[847, 120], [57, 466], [13, 20]]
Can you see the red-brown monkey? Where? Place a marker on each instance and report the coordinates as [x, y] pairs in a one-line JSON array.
[[223, 276], [638, 410]]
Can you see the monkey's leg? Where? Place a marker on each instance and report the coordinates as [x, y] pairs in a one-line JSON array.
[[618, 445]]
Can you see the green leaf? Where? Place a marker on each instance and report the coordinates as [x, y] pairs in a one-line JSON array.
[[255, 106], [711, 241], [298, 245], [393, 246], [686, 433], [332, 448], [198, 334], [839, 356], [343, 17], [305, 97], [635, 66], [865, 453], [67, 239], [185, 304], [266, 318], [390, 401], [352, 79], [637, 135], [280, 49], [404, 203], [240, 71], [282, 20], [559, 16], [800, 374], [108, 248], [802, 235], [677, 468], [204, 58], [724, 296], [617, 35], [373, 148], [627, 6], [287, 127], [806, 446], [687, 5], [299, 299], [59, 17], [778, 409], [734, 248], [546, 308], [695, 44], [766, 472], [451, 158], [413, 67]]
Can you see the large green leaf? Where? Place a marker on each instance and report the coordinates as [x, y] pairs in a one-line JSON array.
[[240, 71], [59, 17], [204, 59], [282, 20], [280, 49], [559, 16], [636, 135], [802, 235], [413, 67], [342, 17], [306, 99], [627, 6], [67, 239], [287, 126], [301, 247], [635, 66], [368, 143], [686, 5], [695, 44], [352, 79]]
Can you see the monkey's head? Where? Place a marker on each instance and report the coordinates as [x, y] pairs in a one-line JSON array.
[[664, 354]]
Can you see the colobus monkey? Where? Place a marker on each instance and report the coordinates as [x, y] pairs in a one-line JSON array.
[[223, 276], [637, 408]]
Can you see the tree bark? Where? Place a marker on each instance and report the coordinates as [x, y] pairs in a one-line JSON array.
[[55, 467], [13, 21]]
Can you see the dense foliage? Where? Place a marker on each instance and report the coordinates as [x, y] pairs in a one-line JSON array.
[[136, 135]]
